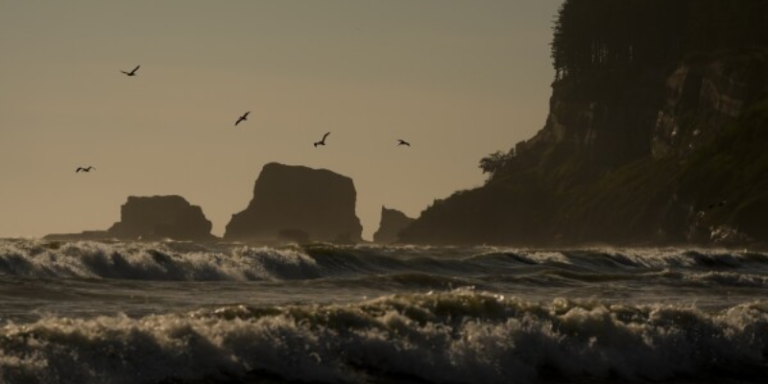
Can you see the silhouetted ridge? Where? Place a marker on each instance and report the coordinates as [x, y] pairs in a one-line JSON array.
[[659, 109]]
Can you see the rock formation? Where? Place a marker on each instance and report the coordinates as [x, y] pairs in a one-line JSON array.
[[649, 141], [295, 200], [160, 217], [392, 222]]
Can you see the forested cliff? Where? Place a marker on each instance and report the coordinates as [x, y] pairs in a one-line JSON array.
[[656, 134]]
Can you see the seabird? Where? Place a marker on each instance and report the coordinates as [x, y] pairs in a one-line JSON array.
[[132, 73], [242, 118], [403, 142], [322, 142], [83, 169]]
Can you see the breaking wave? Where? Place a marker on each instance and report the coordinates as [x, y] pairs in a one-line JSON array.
[[227, 262], [457, 336]]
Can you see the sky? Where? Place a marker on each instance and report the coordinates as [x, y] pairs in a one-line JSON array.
[[458, 79]]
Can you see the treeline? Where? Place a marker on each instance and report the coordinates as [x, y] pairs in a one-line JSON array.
[[596, 35]]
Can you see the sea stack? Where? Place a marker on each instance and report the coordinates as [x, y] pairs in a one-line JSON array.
[[297, 199], [392, 222], [159, 217]]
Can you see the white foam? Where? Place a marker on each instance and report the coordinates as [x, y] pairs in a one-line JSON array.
[[460, 336]]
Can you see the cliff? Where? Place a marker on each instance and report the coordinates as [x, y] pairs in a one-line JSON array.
[[392, 222], [296, 199], [643, 145], [160, 217]]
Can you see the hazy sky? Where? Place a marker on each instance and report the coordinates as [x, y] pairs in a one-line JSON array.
[[458, 79]]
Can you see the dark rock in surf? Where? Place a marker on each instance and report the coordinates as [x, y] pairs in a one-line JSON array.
[[85, 235], [159, 217], [317, 202], [392, 222]]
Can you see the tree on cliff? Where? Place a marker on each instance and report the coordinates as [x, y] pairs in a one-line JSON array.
[[601, 35], [495, 162]]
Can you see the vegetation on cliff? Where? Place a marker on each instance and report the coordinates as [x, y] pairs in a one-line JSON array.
[[599, 35]]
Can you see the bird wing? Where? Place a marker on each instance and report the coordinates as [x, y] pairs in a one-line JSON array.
[[79, 169], [238, 121], [136, 69], [246, 114], [326, 135]]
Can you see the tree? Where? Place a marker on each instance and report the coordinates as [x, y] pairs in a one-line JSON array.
[[495, 162]]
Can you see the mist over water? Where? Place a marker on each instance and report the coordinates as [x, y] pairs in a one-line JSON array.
[[122, 312]]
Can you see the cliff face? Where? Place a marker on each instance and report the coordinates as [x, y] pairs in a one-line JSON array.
[[656, 156], [295, 199], [392, 222], [161, 217]]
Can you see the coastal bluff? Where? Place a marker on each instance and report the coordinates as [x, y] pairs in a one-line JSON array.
[[655, 136], [392, 222], [316, 202], [158, 217]]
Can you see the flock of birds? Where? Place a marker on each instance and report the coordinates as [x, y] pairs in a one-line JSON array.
[[240, 119]]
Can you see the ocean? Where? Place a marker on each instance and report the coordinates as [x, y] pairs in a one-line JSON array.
[[188, 313]]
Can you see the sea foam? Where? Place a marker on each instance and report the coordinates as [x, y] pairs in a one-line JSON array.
[[457, 336]]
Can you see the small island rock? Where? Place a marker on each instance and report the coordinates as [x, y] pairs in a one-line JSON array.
[[315, 202]]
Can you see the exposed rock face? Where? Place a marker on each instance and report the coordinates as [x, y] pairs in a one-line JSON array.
[[392, 222], [161, 217], [714, 93], [317, 202]]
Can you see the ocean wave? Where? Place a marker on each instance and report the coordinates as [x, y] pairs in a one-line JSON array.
[[458, 336], [152, 261], [231, 262]]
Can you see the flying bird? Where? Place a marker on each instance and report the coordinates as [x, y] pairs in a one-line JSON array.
[[322, 142], [402, 142], [242, 118], [84, 169], [132, 73]]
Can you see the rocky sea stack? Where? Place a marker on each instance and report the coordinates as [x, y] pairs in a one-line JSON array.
[[392, 222], [159, 217], [297, 199]]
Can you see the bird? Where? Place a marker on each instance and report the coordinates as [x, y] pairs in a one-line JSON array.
[[242, 118], [132, 73], [322, 142], [402, 142], [84, 169]]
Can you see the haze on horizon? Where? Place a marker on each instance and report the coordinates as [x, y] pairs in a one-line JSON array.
[[457, 79]]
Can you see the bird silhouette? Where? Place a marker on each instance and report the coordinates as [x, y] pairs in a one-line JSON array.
[[132, 73], [402, 142], [242, 118], [84, 169], [322, 142]]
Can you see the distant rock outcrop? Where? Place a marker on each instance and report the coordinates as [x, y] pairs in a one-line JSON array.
[[392, 222], [317, 202], [161, 217]]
